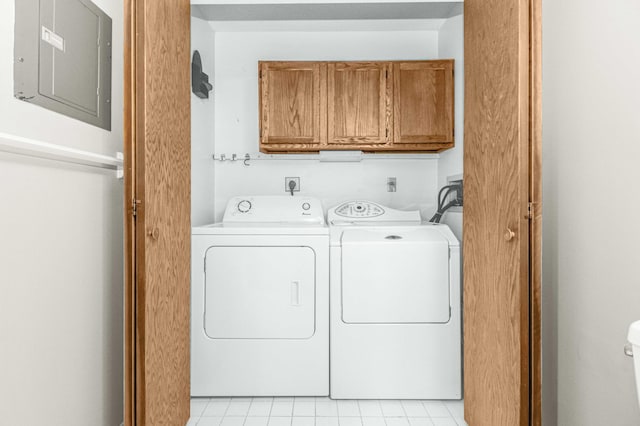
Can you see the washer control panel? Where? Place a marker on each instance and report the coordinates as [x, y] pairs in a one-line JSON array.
[[367, 211], [364, 209], [274, 209]]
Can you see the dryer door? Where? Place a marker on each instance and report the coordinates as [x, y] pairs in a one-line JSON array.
[[395, 276], [257, 292]]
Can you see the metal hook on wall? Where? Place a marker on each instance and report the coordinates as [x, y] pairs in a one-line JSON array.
[[234, 158]]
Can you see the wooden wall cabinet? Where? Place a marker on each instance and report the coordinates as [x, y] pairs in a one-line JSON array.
[[359, 98], [293, 106], [368, 106], [423, 103]]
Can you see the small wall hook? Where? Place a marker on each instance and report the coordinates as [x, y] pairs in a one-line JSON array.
[[200, 85], [247, 157]]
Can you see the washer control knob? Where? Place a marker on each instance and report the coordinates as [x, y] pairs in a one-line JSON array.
[[244, 206], [306, 206]]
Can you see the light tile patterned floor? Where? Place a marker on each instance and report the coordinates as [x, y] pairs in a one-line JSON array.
[[323, 412]]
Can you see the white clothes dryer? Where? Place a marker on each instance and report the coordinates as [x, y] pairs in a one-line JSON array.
[[395, 305], [259, 300]]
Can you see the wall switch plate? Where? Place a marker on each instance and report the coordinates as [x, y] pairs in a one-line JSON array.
[[296, 180]]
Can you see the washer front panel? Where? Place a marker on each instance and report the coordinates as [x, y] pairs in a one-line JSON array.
[[395, 277]]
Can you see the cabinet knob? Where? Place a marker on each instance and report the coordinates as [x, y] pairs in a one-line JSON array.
[[508, 236], [154, 233]]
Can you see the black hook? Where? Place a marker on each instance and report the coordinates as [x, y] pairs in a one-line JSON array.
[[200, 85]]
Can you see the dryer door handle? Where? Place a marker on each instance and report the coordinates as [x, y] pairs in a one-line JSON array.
[[295, 293]]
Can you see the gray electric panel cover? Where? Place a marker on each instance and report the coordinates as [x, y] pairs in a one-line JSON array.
[[62, 58]]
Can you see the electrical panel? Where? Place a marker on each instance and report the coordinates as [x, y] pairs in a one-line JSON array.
[[62, 58]]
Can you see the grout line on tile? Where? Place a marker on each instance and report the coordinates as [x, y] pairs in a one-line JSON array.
[[403, 410], [273, 401], [226, 409]]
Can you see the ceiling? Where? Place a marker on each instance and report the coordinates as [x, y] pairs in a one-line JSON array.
[[327, 11]]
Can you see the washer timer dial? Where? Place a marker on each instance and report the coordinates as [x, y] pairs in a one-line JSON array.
[[244, 206]]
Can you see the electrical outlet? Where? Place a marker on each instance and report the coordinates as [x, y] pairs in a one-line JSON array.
[[391, 184], [296, 182]]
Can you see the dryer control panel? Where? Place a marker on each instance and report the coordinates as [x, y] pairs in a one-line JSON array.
[[368, 211], [274, 209]]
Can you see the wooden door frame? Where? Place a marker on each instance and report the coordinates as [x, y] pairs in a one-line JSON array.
[[134, 68], [156, 198], [535, 215], [527, 290], [129, 124]]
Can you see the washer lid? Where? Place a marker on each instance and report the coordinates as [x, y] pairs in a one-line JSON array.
[[393, 236]]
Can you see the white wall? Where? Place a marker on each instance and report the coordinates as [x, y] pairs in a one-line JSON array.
[[591, 149], [237, 55], [202, 129], [333, 183], [60, 261], [451, 45]]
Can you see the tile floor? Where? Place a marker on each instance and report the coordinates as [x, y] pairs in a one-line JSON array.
[[323, 412]]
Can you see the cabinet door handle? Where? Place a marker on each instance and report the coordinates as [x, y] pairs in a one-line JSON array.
[[508, 236]]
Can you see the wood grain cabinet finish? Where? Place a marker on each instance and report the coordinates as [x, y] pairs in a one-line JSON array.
[[292, 106], [368, 106], [359, 103], [423, 103]]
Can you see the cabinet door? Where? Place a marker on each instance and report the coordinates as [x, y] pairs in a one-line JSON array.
[[423, 103], [292, 106], [359, 103]]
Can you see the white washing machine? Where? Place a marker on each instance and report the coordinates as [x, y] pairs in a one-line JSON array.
[[260, 300], [395, 305]]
